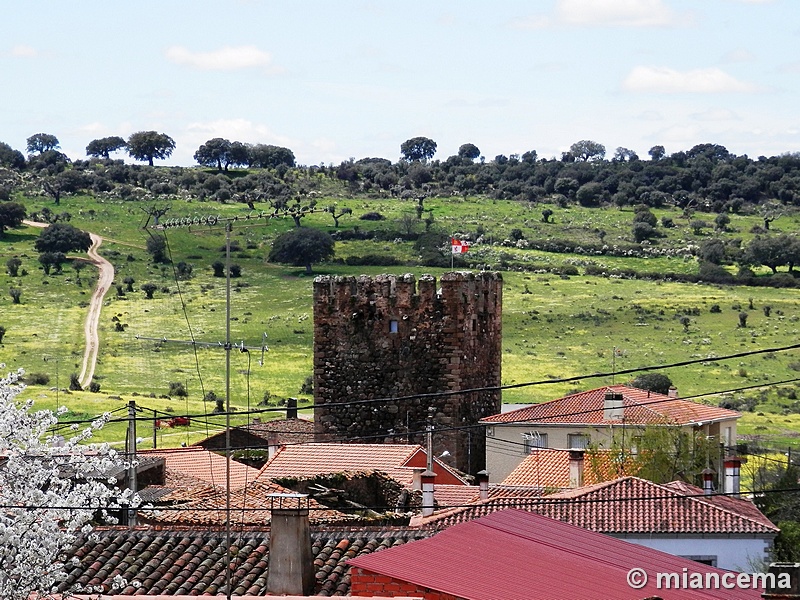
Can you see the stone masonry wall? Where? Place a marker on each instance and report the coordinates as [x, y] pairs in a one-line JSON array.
[[389, 337]]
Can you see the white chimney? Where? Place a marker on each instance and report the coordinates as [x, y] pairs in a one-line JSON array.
[[482, 477], [416, 478], [613, 407], [673, 392], [575, 468], [708, 482], [291, 565], [733, 467], [427, 493]]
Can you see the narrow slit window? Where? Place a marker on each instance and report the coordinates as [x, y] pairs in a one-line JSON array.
[[392, 326]]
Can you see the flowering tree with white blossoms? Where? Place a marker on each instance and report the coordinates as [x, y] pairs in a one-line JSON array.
[[50, 490]]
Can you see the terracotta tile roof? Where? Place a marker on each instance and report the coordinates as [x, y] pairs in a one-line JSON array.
[[628, 505], [249, 506], [190, 561], [516, 555], [454, 496], [275, 431], [396, 460], [548, 468], [641, 408], [740, 506], [204, 465]]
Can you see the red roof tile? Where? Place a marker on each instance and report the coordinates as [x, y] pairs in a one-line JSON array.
[[628, 505], [517, 555], [548, 468], [249, 506], [641, 408], [396, 460], [205, 465]]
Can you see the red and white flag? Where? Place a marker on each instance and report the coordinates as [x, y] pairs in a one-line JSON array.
[[458, 247]]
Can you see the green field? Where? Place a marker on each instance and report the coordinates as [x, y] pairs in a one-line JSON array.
[[554, 326]]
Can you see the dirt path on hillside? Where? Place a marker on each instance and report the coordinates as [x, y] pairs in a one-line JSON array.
[[90, 327]]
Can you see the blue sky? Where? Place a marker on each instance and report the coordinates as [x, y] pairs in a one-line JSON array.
[[334, 80]]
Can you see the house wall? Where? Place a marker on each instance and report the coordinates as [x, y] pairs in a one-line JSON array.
[[392, 336], [505, 443], [367, 583], [732, 553]]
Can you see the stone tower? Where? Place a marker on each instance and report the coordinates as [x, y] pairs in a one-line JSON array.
[[389, 337]]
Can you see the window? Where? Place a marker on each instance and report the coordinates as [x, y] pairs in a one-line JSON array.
[[534, 441], [709, 560], [578, 441], [393, 326]]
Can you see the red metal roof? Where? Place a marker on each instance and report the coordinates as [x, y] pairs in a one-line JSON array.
[[516, 555], [641, 408]]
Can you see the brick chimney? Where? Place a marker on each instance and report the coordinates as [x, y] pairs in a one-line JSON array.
[[576, 468], [708, 481], [613, 408], [482, 477], [786, 582], [733, 467], [291, 565], [291, 408], [427, 493]]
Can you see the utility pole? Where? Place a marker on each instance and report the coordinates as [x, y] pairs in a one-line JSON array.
[[131, 451]]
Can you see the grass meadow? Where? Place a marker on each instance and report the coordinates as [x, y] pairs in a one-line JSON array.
[[554, 327]]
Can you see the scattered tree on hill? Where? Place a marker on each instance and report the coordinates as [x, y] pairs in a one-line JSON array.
[[62, 237], [418, 148], [221, 153], [65, 182], [654, 382], [103, 147], [2, 333], [302, 246], [49, 260], [267, 156], [157, 248], [149, 289], [469, 151], [546, 214], [12, 266], [16, 295], [39, 143], [336, 217], [769, 251], [129, 281], [657, 153], [150, 145], [587, 150], [11, 215], [11, 158]]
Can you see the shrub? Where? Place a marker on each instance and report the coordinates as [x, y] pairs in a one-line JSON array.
[[372, 216], [176, 388], [37, 378]]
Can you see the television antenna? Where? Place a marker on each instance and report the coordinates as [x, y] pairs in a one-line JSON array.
[[295, 212]]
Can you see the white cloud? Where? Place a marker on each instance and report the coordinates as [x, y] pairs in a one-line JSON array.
[[23, 51], [740, 55], [664, 80], [626, 13], [242, 130], [716, 114], [229, 58], [605, 13]]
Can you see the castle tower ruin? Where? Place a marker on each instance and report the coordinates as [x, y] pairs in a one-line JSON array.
[[389, 337]]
